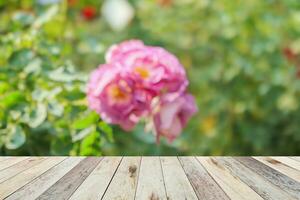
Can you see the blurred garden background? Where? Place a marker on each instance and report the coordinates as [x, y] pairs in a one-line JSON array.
[[242, 59]]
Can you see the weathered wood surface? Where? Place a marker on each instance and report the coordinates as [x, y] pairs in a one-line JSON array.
[[150, 178], [200, 179]]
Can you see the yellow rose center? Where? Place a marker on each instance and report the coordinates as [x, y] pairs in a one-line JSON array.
[[143, 72], [117, 94]]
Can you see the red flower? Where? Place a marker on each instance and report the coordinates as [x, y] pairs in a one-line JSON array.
[[289, 54], [89, 12]]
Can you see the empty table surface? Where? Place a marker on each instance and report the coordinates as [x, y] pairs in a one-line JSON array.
[[150, 178]]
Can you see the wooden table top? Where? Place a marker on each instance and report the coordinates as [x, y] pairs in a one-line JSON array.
[[150, 178]]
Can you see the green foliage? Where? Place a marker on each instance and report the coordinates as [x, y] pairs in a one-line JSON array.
[[42, 102], [246, 89]]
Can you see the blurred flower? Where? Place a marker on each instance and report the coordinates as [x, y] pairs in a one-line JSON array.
[[174, 115], [89, 12], [165, 3], [140, 81], [153, 68], [118, 13], [116, 52], [208, 125], [72, 2], [292, 54], [289, 53], [113, 95]]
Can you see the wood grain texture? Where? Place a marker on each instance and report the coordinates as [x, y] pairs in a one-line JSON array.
[[288, 161], [67, 185], [7, 161], [281, 180], [281, 167], [151, 181], [124, 182], [9, 186], [95, 185], [199, 178], [45, 181], [295, 158], [259, 184], [177, 184], [150, 178], [234, 187], [19, 167]]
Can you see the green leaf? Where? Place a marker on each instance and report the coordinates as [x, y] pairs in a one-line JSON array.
[[46, 16], [38, 116], [3, 87], [21, 58], [61, 144], [39, 95], [63, 75], [55, 108], [34, 66], [15, 138], [23, 18], [108, 131], [90, 145], [86, 121], [74, 94], [12, 99], [83, 133]]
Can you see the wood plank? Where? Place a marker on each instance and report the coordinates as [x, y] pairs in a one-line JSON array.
[[297, 158], [291, 172], [288, 161], [7, 162], [235, 188], [124, 182], [282, 181], [151, 181], [35, 188], [66, 186], [9, 186], [150, 178], [200, 179], [177, 184], [19, 167], [259, 184], [2, 158], [96, 183]]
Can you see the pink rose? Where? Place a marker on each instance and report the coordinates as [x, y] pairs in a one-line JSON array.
[[173, 116], [135, 76], [116, 52], [112, 94], [153, 68]]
